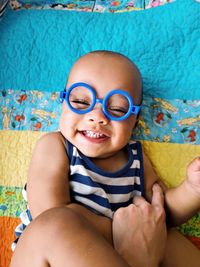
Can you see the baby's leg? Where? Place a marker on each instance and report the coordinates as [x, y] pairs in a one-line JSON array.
[[180, 252], [59, 238]]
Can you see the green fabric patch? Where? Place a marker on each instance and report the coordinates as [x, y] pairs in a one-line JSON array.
[[11, 201]]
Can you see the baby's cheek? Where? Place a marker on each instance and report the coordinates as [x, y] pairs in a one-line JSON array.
[[63, 123]]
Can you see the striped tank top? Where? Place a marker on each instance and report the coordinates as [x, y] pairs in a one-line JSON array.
[[102, 192]]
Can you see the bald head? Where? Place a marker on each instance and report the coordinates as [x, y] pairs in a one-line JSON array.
[[112, 68]]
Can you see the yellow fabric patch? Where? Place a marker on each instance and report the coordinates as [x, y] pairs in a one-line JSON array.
[[16, 148], [169, 160]]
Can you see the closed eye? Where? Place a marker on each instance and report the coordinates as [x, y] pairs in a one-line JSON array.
[[117, 111], [79, 103]]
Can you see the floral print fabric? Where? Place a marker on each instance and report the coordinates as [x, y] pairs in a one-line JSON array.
[[93, 5], [162, 120]]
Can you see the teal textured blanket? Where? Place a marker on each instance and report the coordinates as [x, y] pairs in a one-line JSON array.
[[38, 47]]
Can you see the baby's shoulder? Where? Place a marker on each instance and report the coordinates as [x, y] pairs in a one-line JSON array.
[[51, 137], [51, 140]]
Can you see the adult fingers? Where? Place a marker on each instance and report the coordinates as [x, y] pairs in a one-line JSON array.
[[139, 200], [158, 197]]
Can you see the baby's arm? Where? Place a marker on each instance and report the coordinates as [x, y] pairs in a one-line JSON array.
[[183, 201], [48, 185]]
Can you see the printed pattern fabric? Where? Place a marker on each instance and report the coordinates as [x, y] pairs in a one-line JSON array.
[[90, 6], [170, 121]]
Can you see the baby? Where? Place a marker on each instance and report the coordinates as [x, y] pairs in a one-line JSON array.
[[91, 169]]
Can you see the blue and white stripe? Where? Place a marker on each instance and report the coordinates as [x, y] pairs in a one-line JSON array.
[[102, 191]]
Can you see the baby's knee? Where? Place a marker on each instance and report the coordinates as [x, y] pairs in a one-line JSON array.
[[55, 224], [54, 228], [57, 220]]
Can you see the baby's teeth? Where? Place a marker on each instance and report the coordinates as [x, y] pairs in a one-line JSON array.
[[93, 135]]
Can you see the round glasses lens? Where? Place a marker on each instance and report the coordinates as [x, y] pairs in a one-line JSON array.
[[80, 98], [117, 105]]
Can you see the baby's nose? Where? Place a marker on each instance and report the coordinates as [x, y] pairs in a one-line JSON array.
[[97, 115]]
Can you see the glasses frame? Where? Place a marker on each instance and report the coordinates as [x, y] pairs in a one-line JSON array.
[[133, 109]]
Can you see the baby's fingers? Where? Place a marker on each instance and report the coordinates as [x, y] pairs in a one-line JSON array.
[[158, 197], [194, 165]]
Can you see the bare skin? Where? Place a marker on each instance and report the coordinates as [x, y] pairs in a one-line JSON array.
[[148, 230], [44, 244], [48, 188]]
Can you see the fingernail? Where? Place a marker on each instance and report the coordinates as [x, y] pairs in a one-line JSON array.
[[156, 187]]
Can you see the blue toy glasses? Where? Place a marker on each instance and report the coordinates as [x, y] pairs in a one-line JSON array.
[[117, 105]]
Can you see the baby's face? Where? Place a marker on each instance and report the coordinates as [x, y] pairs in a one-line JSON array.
[[93, 133]]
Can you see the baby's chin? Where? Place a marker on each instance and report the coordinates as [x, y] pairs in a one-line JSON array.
[[93, 153], [90, 153], [97, 151]]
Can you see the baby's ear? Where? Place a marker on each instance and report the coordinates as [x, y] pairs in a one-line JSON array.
[[137, 119], [136, 123], [138, 115]]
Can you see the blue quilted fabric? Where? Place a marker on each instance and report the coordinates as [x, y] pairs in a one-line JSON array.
[[38, 47]]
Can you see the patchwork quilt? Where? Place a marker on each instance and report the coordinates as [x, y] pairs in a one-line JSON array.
[[38, 45], [92, 5]]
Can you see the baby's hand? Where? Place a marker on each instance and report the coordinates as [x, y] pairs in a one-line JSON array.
[[193, 175]]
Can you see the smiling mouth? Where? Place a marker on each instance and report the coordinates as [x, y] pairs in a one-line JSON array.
[[94, 135]]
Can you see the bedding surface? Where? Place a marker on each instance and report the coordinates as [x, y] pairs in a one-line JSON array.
[[38, 47], [45, 46]]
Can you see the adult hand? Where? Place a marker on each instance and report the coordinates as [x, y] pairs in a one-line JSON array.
[[139, 230]]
